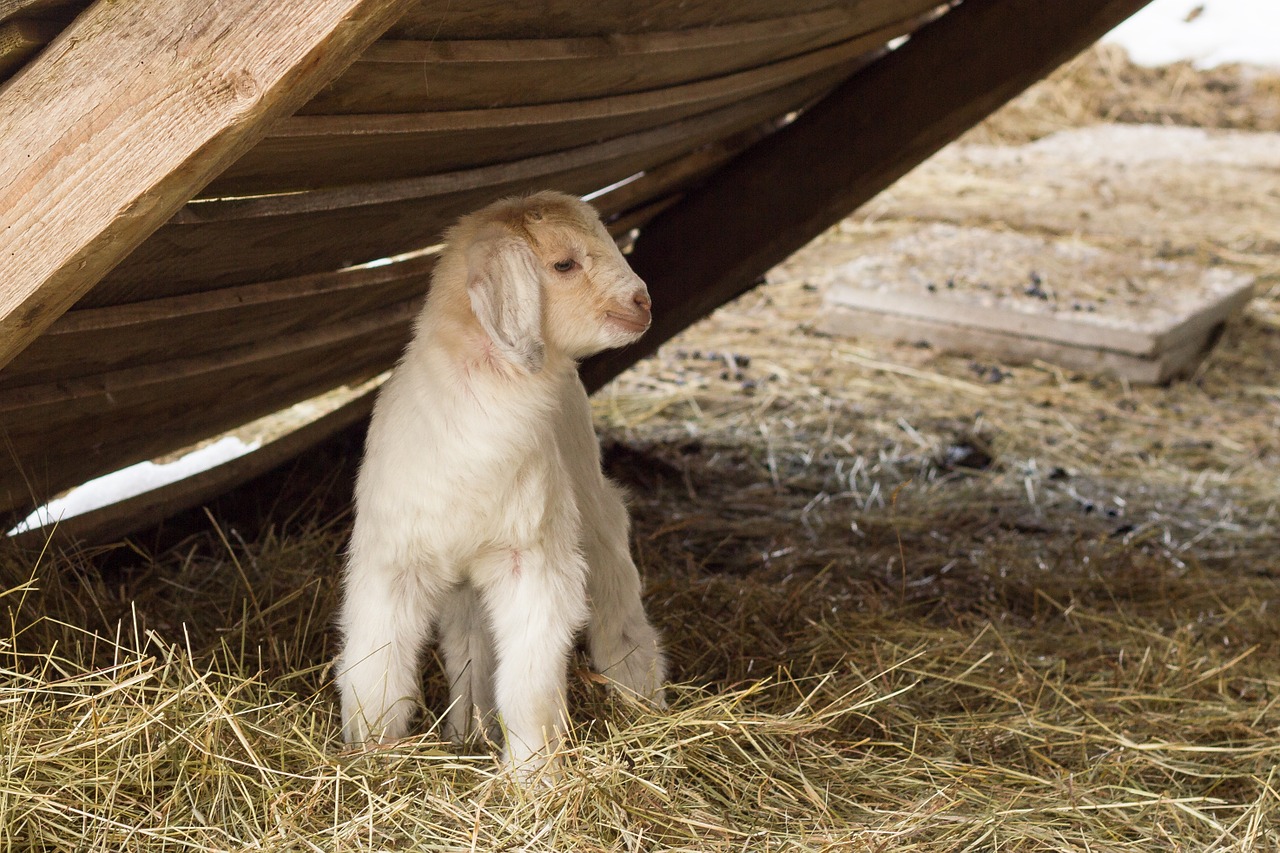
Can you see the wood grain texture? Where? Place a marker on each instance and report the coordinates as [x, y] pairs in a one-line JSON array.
[[220, 243], [483, 19], [190, 86], [88, 428], [83, 343], [1155, 369], [311, 152], [854, 143], [414, 76]]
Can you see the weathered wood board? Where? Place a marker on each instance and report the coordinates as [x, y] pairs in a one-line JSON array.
[[140, 104], [1020, 297]]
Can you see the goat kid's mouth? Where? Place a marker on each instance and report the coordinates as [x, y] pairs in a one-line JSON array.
[[635, 323]]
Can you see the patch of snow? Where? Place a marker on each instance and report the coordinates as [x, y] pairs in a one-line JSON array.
[[131, 481], [1206, 32]]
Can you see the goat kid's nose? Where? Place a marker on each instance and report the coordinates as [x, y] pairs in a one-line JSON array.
[[642, 301]]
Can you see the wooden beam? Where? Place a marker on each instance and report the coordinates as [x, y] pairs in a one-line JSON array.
[[719, 240], [134, 108]]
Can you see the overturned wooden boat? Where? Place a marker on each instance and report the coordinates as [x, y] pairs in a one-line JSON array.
[[213, 211]]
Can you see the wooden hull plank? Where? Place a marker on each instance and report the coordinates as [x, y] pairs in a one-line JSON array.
[[310, 152], [83, 343], [489, 19], [216, 244], [129, 421], [435, 75]]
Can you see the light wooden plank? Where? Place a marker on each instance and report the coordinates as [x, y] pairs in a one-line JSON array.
[[854, 143], [130, 111], [215, 244], [310, 152], [436, 75], [1220, 294]]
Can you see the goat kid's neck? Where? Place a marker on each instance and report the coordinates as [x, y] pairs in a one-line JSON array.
[[459, 348]]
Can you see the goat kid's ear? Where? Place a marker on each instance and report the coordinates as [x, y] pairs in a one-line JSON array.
[[504, 282]]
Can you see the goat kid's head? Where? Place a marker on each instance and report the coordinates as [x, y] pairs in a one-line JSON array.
[[543, 273]]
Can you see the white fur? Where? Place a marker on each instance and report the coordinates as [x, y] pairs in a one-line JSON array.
[[481, 509]]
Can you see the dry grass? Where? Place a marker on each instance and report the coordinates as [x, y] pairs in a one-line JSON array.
[[1101, 85], [914, 603]]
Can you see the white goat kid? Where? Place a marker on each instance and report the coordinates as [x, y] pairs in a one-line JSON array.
[[481, 509]]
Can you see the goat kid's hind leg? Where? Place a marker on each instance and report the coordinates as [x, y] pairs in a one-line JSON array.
[[467, 647], [385, 620], [623, 645], [536, 606]]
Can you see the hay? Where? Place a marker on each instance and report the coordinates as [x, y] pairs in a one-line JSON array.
[[1102, 85], [915, 603]]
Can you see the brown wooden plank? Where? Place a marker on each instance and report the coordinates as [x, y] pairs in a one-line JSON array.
[[129, 112], [85, 342], [863, 136], [480, 19], [309, 152], [101, 393], [146, 510], [59, 437], [215, 244], [415, 76]]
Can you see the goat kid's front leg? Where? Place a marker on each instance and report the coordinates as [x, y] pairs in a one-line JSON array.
[[385, 621], [536, 605]]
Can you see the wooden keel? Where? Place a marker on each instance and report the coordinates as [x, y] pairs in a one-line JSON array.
[[701, 245], [191, 86], [717, 242]]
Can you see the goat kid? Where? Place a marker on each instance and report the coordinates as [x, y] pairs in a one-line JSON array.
[[481, 509]]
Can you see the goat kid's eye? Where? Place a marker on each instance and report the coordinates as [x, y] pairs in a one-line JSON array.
[[565, 265]]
